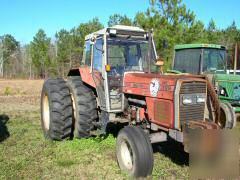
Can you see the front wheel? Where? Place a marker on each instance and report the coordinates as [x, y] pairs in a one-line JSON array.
[[227, 116], [134, 152]]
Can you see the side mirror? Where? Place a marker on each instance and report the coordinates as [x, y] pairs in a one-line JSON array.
[[159, 62]]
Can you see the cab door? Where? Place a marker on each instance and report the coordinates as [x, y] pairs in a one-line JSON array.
[[108, 84], [116, 59], [98, 71]]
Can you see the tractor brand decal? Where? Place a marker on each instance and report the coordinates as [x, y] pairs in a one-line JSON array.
[[154, 87], [165, 87]]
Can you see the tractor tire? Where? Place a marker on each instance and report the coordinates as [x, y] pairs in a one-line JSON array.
[[134, 152], [227, 116], [238, 117], [84, 107], [56, 110]]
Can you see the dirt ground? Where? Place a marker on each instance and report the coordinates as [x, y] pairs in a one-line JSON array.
[[25, 154]]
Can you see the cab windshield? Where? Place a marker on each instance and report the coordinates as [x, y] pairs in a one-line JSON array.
[[214, 60], [129, 55], [188, 61]]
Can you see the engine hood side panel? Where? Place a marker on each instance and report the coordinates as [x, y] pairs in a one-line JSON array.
[[230, 84]]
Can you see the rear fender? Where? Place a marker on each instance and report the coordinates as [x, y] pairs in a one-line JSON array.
[[85, 74], [94, 82]]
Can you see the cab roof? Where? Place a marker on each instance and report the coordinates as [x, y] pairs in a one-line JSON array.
[[191, 46], [118, 28]]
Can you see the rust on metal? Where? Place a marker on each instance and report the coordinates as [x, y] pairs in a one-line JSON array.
[[215, 101], [201, 125]]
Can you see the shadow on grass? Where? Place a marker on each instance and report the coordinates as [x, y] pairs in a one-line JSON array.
[[114, 128], [174, 151], [4, 134]]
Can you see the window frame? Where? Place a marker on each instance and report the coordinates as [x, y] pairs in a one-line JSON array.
[[85, 53], [92, 59]]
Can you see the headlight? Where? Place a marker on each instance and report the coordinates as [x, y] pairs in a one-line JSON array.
[[187, 99], [193, 99], [201, 98]]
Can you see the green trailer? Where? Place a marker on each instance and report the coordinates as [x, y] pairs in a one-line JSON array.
[[211, 60]]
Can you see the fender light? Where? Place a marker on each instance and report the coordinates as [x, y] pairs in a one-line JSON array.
[[108, 68]]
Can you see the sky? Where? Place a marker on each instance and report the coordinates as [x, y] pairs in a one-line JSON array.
[[23, 18]]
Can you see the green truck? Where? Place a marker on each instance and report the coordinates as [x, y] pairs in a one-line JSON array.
[[212, 61]]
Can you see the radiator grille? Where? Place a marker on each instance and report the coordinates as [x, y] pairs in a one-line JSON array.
[[194, 112], [193, 87]]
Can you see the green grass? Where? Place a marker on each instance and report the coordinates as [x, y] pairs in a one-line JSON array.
[[25, 154]]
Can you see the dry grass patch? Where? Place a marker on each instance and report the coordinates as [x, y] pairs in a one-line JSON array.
[[20, 87]]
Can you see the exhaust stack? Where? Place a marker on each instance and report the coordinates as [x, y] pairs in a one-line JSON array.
[[235, 58]]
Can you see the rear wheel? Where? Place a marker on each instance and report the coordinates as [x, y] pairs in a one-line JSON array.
[[85, 107], [56, 110], [134, 152], [227, 116]]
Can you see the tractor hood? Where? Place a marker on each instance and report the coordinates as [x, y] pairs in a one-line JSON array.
[[155, 85]]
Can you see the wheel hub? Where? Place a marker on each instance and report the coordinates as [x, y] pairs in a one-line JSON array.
[[46, 112], [126, 155]]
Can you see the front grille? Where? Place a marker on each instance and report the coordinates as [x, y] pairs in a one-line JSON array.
[[194, 112], [193, 87]]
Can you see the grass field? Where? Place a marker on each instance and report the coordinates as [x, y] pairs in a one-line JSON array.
[[25, 154]]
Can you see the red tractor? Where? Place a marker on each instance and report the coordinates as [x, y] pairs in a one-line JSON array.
[[119, 82]]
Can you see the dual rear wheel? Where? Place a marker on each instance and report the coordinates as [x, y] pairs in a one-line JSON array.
[[67, 109]]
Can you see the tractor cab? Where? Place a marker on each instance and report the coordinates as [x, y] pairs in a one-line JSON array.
[[112, 52], [200, 59], [212, 61]]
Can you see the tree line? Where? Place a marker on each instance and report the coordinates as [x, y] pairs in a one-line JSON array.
[[171, 21]]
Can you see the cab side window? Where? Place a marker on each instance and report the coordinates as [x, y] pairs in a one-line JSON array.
[[97, 55], [87, 53]]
